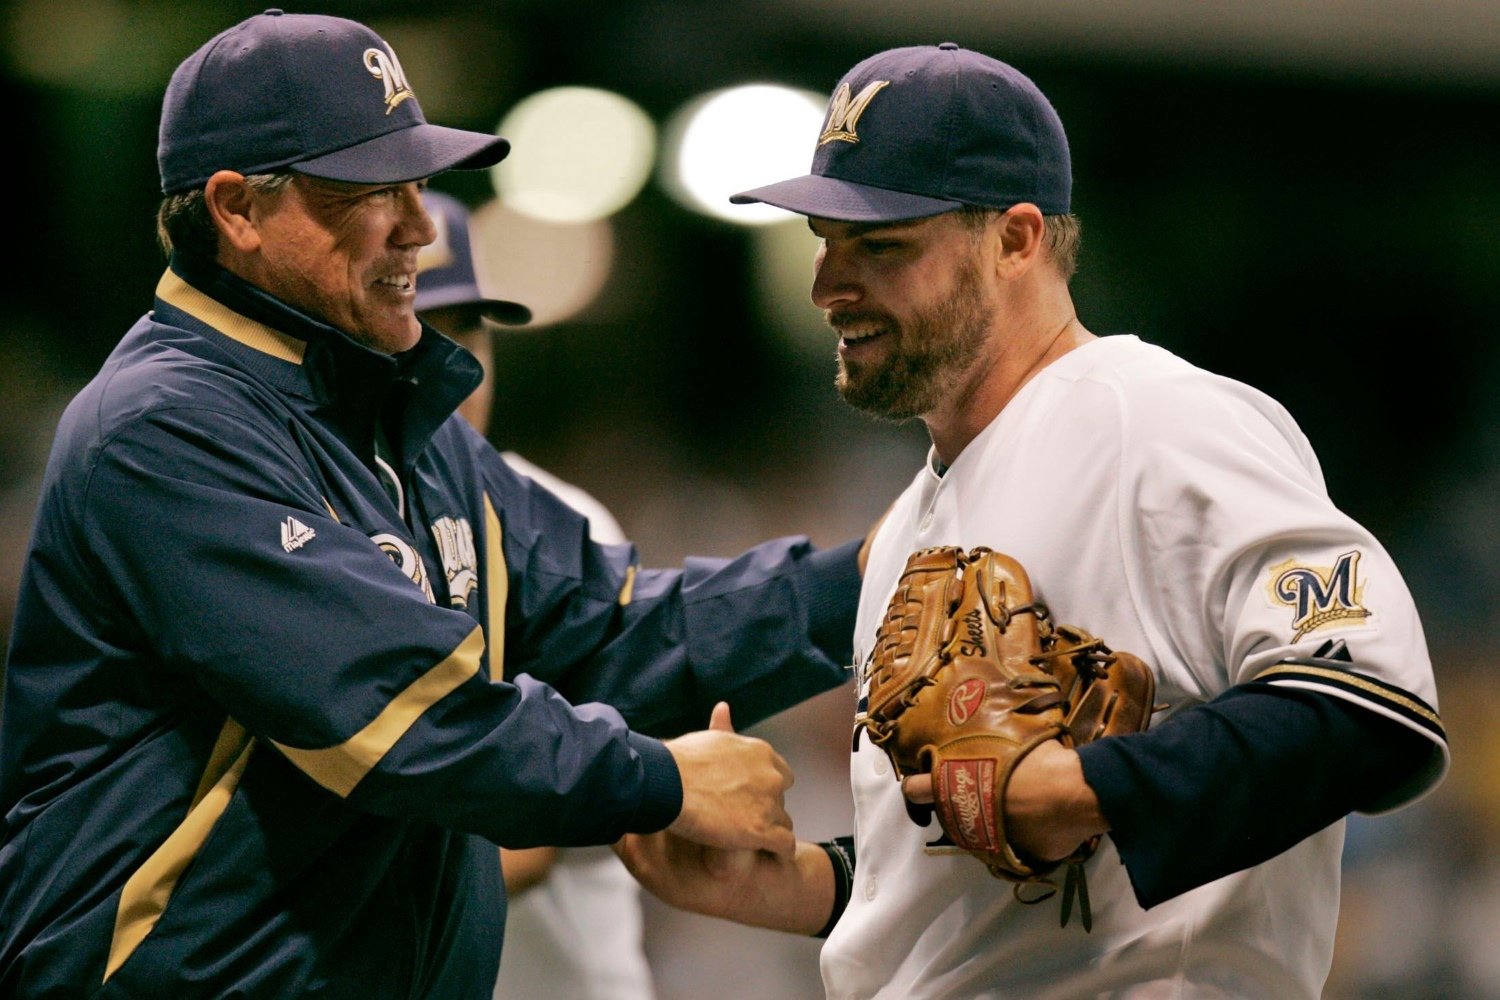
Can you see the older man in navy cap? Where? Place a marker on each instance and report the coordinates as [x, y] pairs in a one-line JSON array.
[[295, 648], [1178, 514]]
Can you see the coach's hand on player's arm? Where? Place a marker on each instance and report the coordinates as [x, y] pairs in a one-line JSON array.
[[1049, 807], [733, 789], [749, 887]]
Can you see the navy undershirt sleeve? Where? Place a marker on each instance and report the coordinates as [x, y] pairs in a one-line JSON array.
[[1223, 786]]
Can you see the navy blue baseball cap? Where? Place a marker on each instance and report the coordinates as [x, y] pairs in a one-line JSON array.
[[445, 267], [917, 131], [322, 95]]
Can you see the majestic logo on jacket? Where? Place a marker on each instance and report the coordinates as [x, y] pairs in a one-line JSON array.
[[844, 112], [407, 560], [384, 67], [295, 534], [1319, 596], [455, 540]]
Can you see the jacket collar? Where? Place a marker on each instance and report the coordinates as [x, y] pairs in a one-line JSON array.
[[412, 392]]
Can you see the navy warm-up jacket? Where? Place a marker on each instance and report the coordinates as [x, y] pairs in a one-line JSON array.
[[266, 715]]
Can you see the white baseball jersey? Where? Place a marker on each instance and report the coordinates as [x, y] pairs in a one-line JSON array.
[[1180, 516], [577, 934]]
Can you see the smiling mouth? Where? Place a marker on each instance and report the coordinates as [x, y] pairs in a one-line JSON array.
[[400, 282], [850, 339]]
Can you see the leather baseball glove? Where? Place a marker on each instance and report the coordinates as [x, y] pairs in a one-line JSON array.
[[968, 676]]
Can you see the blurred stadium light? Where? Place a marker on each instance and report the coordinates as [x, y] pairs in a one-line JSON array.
[[578, 154], [736, 138]]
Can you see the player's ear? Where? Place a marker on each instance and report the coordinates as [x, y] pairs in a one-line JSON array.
[[1020, 230], [228, 200]]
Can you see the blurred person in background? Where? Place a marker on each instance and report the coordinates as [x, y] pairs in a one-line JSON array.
[[574, 926], [295, 649], [1180, 515]]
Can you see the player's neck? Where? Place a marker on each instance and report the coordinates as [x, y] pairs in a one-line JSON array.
[[979, 398]]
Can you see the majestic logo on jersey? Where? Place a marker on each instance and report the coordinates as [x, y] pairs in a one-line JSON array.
[[455, 541], [844, 112], [965, 700], [384, 66], [966, 795], [295, 534], [407, 560], [1319, 596]]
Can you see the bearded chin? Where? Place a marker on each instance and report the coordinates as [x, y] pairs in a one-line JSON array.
[[931, 355], [903, 387]]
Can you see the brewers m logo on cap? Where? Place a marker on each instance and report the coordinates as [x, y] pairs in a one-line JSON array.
[[385, 67], [844, 112]]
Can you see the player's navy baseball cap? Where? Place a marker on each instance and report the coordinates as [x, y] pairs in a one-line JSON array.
[[916, 131], [445, 267], [322, 95]]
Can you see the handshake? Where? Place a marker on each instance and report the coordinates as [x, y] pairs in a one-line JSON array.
[[733, 790], [731, 852]]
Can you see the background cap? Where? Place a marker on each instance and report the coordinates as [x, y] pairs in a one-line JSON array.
[[921, 130], [445, 268], [323, 95]]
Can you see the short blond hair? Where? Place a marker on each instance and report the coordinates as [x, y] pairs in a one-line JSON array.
[[1062, 235]]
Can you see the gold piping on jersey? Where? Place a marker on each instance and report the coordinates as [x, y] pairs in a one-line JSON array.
[[627, 591], [231, 324], [339, 768], [497, 588], [147, 891], [1344, 678], [331, 512]]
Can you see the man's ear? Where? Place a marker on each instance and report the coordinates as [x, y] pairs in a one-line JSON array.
[[229, 200], [1021, 231]]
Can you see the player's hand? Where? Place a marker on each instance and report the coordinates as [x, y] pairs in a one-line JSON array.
[[733, 791], [757, 888], [1049, 807], [691, 876]]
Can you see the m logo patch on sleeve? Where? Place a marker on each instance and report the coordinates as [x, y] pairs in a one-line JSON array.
[[1319, 596]]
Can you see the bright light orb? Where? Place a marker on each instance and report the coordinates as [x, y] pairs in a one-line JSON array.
[[738, 138], [577, 154]]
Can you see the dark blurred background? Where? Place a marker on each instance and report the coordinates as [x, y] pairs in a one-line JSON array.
[[1301, 195]]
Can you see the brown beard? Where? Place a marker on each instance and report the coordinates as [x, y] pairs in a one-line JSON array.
[[928, 356]]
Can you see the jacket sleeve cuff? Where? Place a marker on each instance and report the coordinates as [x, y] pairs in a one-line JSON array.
[[661, 786], [829, 588]]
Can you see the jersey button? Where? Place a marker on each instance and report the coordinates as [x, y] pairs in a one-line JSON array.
[[880, 765], [870, 887]]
